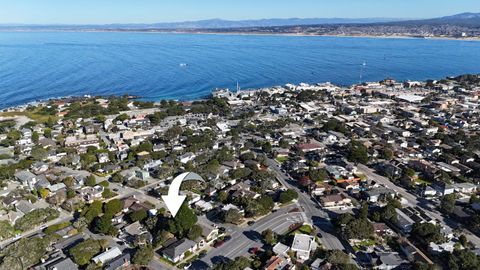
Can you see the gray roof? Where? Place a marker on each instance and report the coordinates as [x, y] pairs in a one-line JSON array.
[[25, 206], [178, 248], [65, 264], [24, 175], [118, 262]]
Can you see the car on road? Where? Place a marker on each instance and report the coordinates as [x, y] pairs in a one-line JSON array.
[[218, 243], [251, 222], [253, 250], [115, 189], [186, 267], [319, 235], [227, 238]]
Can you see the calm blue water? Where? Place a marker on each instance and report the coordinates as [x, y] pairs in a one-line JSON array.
[[42, 65]]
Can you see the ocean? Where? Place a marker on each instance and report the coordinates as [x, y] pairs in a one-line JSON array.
[[156, 66]]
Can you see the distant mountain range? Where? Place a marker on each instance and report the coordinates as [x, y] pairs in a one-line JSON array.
[[202, 24], [463, 20]]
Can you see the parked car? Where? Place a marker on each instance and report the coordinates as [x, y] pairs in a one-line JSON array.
[[218, 244], [253, 250], [251, 222]]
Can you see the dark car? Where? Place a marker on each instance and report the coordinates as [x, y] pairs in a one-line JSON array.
[[251, 222], [227, 238], [218, 244]]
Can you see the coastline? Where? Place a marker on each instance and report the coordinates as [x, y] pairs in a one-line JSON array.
[[245, 34]]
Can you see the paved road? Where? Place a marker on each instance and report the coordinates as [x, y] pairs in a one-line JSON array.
[[416, 201], [244, 238], [63, 217], [315, 215]]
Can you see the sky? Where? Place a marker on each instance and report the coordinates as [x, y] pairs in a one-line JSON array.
[[151, 11]]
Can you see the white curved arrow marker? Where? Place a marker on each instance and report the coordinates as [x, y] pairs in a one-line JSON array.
[[174, 200]]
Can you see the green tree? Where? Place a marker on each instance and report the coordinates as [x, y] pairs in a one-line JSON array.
[[357, 152], [426, 233], [112, 207], [288, 196], [447, 203], [138, 215], [38, 153], [185, 219], [269, 237], [91, 181], [102, 224], [92, 211], [223, 196], [35, 137], [232, 216], [195, 232], [358, 229], [143, 255]]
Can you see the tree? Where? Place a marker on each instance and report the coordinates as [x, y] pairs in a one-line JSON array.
[[288, 196], [364, 211], [358, 229], [426, 233], [138, 215], [35, 137], [92, 211], [447, 203], [195, 232], [266, 204], [83, 252], [232, 216], [143, 255], [339, 259], [44, 193], [102, 224], [357, 152], [90, 181], [112, 207], [239, 263], [185, 219], [387, 153], [463, 260], [47, 132], [269, 237], [38, 153], [223, 196], [318, 175]]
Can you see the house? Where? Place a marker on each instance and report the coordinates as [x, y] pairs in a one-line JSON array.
[[91, 194], [119, 263], [434, 248], [280, 249], [24, 207], [107, 256], [277, 263], [335, 201], [209, 232], [136, 233], [303, 244], [103, 158], [389, 260], [176, 251], [187, 157], [61, 263], [378, 194], [27, 179], [404, 222]]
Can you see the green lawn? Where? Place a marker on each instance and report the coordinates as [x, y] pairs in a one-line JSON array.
[[281, 159]]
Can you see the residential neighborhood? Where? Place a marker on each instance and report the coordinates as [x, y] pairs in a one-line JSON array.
[[377, 175]]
